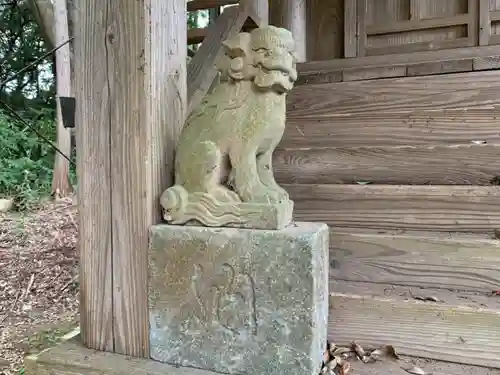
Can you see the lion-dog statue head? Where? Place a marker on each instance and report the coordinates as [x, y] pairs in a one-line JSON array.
[[264, 56]]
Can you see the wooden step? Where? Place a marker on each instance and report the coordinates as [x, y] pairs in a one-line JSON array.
[[393, 207], [375, 315], [407, 94], [390, 129], [431, 367], [474, 164], [455, 261]]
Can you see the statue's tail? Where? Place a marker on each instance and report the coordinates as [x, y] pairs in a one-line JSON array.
[[174, 201]]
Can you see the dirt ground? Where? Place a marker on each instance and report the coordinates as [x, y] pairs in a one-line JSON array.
[[38, 281]]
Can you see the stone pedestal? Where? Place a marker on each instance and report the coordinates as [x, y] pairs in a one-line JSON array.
[[239, 301]]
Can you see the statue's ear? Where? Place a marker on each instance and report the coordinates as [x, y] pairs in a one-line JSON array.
[[238, 46], [236, 53]]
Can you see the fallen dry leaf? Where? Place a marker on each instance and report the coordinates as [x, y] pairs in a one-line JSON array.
[[385, 352], [335, 361], [414, 370], [37, 257], [345, 368], [358, 349]]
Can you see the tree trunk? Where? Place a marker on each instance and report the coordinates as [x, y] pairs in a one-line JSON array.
[[43, 12], [60, 182]]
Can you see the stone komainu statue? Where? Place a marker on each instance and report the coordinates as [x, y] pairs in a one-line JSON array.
[[223, 166]]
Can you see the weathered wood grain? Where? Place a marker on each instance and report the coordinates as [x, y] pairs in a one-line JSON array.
[[201, 70], [432, 208], [291, 15], [405, 165], [145, 102], [473, 299], [71, 357], [315, 67], [419, 24], [359, 74], [454, 66], [484, 63], [350, 29], [310, 129], [484, 22], [325, 22], [407, 94], [459, 334], [429, 366], [94, 177], [439, 260]]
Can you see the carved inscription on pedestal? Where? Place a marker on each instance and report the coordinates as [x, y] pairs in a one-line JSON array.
[[225, 300]]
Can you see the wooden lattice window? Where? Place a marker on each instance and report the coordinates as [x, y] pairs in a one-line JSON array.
[[380, 27]]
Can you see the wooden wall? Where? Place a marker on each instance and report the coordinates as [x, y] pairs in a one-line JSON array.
[[356, 28], [325, 27]]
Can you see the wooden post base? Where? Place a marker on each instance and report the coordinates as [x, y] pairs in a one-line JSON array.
[[71, 357]]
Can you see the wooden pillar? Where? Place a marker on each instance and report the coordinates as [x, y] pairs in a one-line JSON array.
[[131, 98], [325, 23], [291, 14], [260, 8]]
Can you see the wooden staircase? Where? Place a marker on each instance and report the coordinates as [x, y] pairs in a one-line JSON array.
[[404, 171]]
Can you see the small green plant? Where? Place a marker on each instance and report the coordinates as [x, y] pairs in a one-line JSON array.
[[26, 161]]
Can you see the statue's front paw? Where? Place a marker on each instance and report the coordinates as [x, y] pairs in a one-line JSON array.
[[265, 195], [282, 193]]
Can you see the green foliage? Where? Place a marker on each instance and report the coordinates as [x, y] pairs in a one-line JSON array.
[[26, 162], [21, 44]]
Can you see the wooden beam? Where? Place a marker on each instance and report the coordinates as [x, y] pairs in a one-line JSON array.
[[195, 5], [484, 22], [473, 23], [474, 209], [462, 332], [391, 129], [259, 8], [291, 15], [361, 27], [201, 70], [325, 22], [419, 47], [132, 110], [93, 132], [398, 165], [351, 28], [316, 67], [71, 357], [413, 25], [474, 90], [466, 262], [196, 35]]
